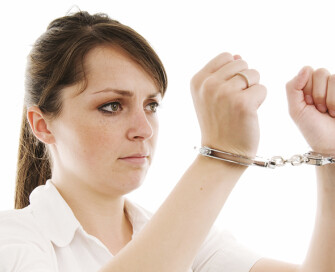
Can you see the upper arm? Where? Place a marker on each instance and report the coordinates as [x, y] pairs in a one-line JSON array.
[[266, 265], [222, 252]]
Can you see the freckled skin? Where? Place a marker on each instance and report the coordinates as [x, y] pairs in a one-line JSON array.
[[90, 143]]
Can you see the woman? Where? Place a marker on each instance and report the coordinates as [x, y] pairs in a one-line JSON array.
[[89, 132]]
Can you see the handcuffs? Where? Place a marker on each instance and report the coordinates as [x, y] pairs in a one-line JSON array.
[[310, 158]]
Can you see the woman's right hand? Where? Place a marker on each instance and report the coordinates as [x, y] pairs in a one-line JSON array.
[[226, 107]]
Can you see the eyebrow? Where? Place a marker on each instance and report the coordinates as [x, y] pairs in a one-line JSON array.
[[125, 92]]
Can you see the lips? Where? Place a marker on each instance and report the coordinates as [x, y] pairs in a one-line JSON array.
[[140, 155], [136, 159]]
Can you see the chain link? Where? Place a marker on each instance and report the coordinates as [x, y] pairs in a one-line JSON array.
[[311, 158], [296, 160]]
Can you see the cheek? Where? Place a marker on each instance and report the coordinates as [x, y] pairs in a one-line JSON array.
[[155, 130], [100, 140], [87, 140]]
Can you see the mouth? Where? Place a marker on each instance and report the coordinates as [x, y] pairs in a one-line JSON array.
[[137, 159]]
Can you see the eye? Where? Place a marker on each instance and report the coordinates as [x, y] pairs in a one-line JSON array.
[[112, 107], [152, 107]]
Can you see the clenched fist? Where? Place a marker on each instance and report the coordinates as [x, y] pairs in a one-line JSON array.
[[226, 106], [311, 99]]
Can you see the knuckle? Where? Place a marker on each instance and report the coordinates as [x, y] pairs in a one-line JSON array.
[[256, 74], [195, 82], [263, 94], [263, 89], [225, 56], [244, 64], [258, 97], [331, 79], [321, 72], [222, 59]]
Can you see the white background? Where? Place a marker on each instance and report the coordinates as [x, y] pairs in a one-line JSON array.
[[271, 211]]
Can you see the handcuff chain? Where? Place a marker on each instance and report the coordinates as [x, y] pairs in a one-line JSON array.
[[295, 160], [311, 158]]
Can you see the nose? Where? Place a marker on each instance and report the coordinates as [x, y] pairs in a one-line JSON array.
[[140, 128]]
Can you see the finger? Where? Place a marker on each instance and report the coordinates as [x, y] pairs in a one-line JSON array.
[[295, 89], [230, 69], [216, 63], [239, 82], [320, 82], [236, 57], [211, 67], [308, 86], [330, 100], [255, 95], [301, 82]]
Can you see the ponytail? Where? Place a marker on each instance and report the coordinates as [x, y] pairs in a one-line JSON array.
[[33, 166], [56, 61]]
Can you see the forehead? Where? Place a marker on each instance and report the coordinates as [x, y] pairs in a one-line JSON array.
[[110, 66]]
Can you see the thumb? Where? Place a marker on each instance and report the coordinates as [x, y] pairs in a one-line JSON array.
[[295, 90], [299, 82]]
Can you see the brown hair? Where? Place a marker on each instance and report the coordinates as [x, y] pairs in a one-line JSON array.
[[56, 61]]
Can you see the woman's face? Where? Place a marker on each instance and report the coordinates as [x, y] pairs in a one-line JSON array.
[[105, 136]]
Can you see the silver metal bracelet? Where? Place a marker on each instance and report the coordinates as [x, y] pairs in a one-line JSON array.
[[311, 158]]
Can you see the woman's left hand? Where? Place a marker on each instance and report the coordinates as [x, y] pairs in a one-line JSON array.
[[311, 100]]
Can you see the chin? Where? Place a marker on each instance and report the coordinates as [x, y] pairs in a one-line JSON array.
[[129, 183]]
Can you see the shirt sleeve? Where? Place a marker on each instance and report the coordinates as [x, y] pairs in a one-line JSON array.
[[222, 253], [22, 257], [22, 248]]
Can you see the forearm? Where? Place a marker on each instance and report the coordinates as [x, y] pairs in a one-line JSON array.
[[171, 239], [320, 256]]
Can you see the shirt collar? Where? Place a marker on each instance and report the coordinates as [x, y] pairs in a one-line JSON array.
[[53, 214], [137, 216], [57, 220]]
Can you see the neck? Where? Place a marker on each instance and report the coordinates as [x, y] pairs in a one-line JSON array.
[[101, 216]]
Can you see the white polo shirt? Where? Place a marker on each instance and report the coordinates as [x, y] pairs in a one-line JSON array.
[[46, 236]]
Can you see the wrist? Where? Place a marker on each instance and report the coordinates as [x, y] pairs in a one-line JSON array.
[[326, 178], [234, 158], [219, 165]]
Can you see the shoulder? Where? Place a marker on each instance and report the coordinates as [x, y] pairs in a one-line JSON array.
[[14, 215], [18, 222], [19, 227], [22, 245]]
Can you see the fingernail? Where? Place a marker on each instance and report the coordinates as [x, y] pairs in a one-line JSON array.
[[332, 113], [309, 99], [321, 108]]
